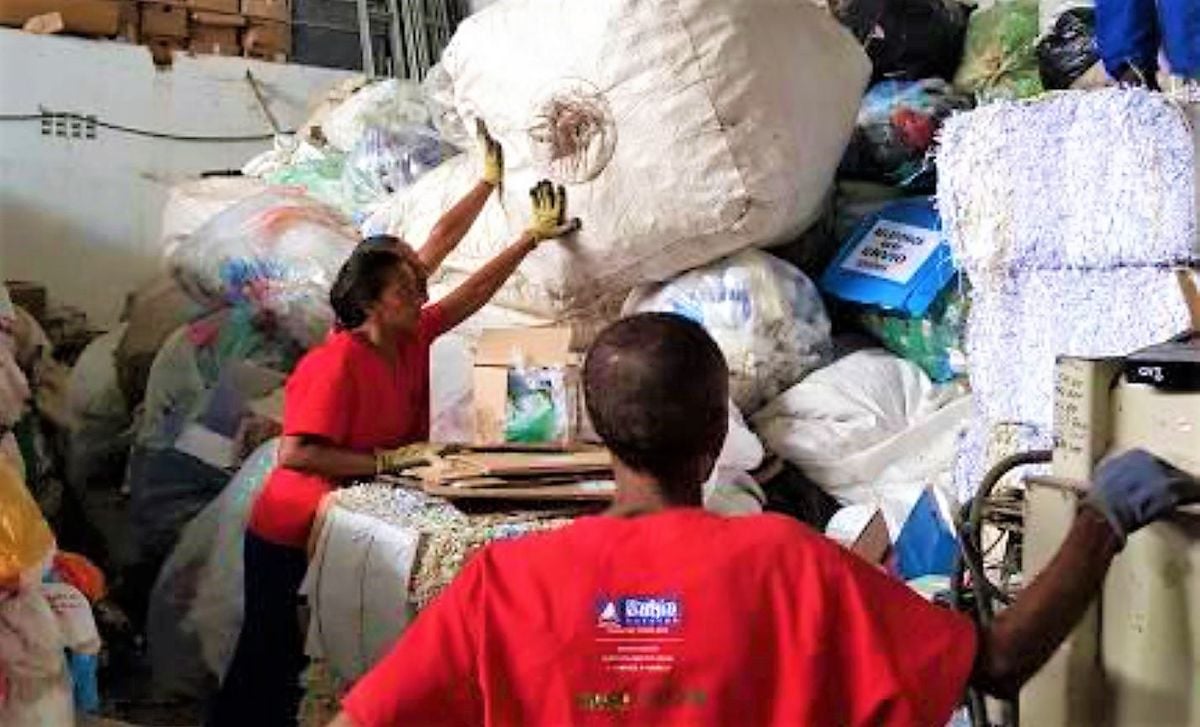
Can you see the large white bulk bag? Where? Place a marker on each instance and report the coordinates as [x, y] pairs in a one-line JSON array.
[[683, 131], [868, 427], [192, 203]]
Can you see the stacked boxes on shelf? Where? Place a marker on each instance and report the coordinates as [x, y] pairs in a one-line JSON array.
[[268, 32], [254, 28]]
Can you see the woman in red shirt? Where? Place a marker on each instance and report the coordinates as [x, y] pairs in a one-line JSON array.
[[350, 403]]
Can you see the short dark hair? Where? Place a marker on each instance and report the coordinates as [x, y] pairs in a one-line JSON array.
[[657, 390], [360, 281], [380, 241]]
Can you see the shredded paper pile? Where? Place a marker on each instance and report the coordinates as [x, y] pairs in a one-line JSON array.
[[1068, 215]]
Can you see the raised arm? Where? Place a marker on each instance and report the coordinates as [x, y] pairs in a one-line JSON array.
[[455, 223], [549, 222], [1128, 492]]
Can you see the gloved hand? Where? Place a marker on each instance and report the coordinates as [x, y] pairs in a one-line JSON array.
[[550, 212], [493, 155], [393, 461], [1136, 488]]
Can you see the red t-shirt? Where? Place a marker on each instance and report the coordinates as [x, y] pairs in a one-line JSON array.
[[681, 617], [347, 393]]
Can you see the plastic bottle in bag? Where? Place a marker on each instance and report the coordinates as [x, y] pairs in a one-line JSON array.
[[321, 177], [392, 103], [386, 160], [765, 315]]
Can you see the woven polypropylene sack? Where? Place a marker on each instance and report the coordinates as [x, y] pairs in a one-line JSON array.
[[683, 132]]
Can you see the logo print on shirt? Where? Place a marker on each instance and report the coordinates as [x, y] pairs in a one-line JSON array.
[[639, 612]]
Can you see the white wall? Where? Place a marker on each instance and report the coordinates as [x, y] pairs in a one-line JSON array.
[[81, 216]]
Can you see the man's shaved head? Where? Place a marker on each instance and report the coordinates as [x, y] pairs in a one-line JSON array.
[[657, 390]]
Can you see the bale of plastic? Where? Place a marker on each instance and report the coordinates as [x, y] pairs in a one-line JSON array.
[[392, 103], [195, 611], [388, 159], [193, 203], [320, 175], [1000, 55], [895, 131], [276, 254], [765, 315]]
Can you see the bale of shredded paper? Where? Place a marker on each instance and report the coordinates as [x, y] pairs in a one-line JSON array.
[[1068, 241]]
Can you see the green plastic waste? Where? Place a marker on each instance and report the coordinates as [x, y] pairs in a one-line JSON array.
[[934, 342], [537, 411], [322, 178], [1000, 53]]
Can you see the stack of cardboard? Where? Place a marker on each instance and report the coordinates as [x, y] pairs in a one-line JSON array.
[[268, 33], [514, 474], [83, 17], [254, 28]]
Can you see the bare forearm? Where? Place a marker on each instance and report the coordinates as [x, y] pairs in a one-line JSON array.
[[1024, 636], [478, 289], [325, 460], [453, 226]]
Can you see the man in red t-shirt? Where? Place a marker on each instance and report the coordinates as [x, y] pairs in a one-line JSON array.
[[658, 612]]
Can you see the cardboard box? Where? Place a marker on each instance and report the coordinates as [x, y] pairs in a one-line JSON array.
[[163, 20], [874, 543], [220, 40], [47, 24], [162, 50], [129, 22], [527, 387], [267, 40], [229, 7], [216, 20], [278, 10], [86, 17]]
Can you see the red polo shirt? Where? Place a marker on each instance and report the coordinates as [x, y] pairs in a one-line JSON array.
[[682, 617], [346, 392]]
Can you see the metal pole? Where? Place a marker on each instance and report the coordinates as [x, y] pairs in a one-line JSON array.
[[262, 102], [364, 38], [397, 42], [413, 62]]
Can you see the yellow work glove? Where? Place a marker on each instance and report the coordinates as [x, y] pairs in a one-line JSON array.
[[393, 461], [493, 155], [550, 212]]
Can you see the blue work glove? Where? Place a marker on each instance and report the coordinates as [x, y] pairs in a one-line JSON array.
[[1136, 488]]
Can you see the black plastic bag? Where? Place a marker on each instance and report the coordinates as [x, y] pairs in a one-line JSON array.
[[895, 133], [1069, 49], [907, 39]]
